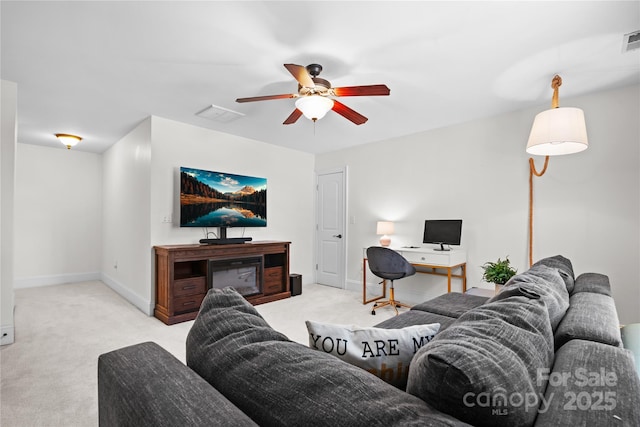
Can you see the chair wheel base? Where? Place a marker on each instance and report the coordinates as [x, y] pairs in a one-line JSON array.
[[373, 312]]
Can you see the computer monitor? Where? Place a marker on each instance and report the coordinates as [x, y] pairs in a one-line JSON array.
[[442, 232]]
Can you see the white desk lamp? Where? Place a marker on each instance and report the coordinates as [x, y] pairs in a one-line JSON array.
[[384, 228]]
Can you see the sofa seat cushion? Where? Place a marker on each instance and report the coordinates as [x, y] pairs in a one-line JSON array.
[[452, 304], [565, 268], [416, 317], [279, 382], [386, 353], [492, 352], [591, 384], [593, 282], [545, 282], [591, 317]]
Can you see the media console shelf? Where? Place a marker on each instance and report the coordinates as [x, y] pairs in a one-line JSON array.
[[184, 275]]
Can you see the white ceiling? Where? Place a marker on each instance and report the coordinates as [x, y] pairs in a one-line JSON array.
[[97, 69]]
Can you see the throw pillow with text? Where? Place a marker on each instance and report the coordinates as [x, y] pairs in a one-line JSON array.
[[385, 353]]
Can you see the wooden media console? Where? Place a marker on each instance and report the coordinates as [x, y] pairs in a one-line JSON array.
[[184, 274]]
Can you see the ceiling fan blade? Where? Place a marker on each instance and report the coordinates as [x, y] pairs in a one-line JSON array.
[[293, 117], [266, 97], [371, 90], [301, 74], [348, 113]]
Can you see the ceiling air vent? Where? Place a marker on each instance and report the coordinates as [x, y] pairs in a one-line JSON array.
[[631, 41], [219, 114]]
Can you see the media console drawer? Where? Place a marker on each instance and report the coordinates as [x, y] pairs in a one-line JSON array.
[[190, 286], [273, 280], [187, 303]]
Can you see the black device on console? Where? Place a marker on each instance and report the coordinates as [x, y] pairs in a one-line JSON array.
[[229, 241], [442, 232]]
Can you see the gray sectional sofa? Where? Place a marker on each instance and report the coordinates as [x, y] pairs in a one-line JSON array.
[[545, 351]]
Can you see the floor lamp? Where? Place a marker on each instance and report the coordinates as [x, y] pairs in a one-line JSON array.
[[554, 132]]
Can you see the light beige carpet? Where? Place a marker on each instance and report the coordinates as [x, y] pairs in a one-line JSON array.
[[49, 375]]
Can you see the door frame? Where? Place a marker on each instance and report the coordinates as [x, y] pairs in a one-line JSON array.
[[345, 208]]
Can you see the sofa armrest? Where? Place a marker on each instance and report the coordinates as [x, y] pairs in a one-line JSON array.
[[591, 317], [144, 385], [590, 384]]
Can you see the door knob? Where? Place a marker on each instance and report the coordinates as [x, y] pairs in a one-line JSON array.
[[339, 236]]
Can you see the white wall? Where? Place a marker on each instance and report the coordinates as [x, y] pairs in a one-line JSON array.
[[8, 127], [142, 188], [587, 205], [290, 183], [59, 226], [126, 241]]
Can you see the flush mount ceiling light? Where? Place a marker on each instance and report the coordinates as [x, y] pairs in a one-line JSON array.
[[68, 139], [314, 107]]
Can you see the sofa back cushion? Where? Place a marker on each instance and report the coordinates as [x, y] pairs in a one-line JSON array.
[[483, 368], [565, 268], [279, 382], [592, 282], [545, 282]]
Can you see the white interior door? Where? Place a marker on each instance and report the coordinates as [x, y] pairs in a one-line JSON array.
[[330, 229]]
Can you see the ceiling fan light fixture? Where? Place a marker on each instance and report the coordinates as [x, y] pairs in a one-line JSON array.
[[68, 139], [314, 107]]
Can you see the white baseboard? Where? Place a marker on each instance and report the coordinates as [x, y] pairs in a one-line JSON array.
[[7, 335], [141, 303], [353, 285], [56, 279]]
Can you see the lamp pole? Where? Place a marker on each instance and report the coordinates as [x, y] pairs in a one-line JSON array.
[[555, 84]]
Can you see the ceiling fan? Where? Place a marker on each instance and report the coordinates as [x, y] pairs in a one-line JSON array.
[[315, 95]]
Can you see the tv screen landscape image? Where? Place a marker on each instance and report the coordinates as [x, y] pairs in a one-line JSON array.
[[218, 199]]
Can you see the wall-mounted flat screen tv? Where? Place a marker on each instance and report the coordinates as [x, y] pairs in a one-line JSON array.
[[219, 199], [442, 232]]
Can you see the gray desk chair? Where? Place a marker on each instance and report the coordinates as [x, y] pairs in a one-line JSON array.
[[389, 265]]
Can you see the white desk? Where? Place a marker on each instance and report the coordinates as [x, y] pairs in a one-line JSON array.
[[427, 261]]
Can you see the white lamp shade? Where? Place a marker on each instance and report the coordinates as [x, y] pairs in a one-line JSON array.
[[384, 227], [314, 107], [558, 131]]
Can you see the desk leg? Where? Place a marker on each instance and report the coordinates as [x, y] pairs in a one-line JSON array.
[[449, 279], [464, 277], [364, 281]]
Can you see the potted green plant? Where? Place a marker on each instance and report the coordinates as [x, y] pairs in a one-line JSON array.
[[498, 272]]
